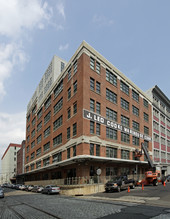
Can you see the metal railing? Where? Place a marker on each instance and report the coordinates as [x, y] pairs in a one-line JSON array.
[[80, 181]]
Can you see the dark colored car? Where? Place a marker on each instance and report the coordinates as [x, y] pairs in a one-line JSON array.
[[168, 178], [119, 183], [50, 189]]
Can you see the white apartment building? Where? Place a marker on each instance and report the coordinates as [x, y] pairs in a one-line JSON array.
[[9, 163], [160, 129]]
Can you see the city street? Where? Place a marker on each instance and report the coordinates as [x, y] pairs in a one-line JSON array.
[[152, 202]]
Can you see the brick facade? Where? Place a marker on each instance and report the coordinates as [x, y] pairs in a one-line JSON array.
[[74, 156]]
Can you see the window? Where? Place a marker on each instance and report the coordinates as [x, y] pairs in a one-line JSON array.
[[97, 129], [46, 147], [155, 113], [124, 121], [135, 125], [97, 87], [162, 118], [62, 66], [32, 155], [33, 144], [27, 159], [91, 149], [124, 104], [111, 152], [125, 137], [39, 114], [92, 105], [68, 133], [98, 107], [32, 166], [111, 77], [57, 140], [39, 138], [34, 110], [111, 114], [111, 96], [47, 118], [74, 129], [33, 133], [75, 108], [46, 162], [125, 154], [92, 63], [33, 122], [145, 103], [97, 150], [57, 157], [47, 132], [92, 84], [155, 125], [163, 141], [28, 118], [68, 153], [135, 96], [74, 151], [47, 103], [146, 130], [91, 127], [28, 148], [69, 113], [28, 139], [58, 89], [124, 87], [135, 111], [39, 126], [98, 67], [135, 141], [69, 93], [38, 152], [38, 164], [156, 137], [111, 133], [57, 123], [28, 128], [146, 144], [58, 106], [111, 171], [146, 117], [75, 87], [75, 66], [69, 74]]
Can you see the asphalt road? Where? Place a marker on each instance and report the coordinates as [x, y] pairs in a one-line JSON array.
[[152, 202]]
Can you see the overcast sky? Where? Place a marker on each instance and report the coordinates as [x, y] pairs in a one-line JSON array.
[[134, 35]]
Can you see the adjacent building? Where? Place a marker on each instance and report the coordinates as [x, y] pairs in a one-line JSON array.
[[9, 163], [161, 129], [85, 116], [20, 164]]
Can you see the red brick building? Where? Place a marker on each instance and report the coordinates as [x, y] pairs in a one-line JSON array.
[[20, 163], [91, 117]]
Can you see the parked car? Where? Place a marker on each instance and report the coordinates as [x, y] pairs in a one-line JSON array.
[[168, 178], [30, 187], [40, 188], [35, 188], [23, 187], [119, 183], [50, 189], [1, 193]]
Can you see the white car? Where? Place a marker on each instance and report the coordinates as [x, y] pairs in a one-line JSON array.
[[30, 187], [50, 189]]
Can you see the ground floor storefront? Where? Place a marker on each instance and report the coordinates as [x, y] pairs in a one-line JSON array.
[[86, 170]]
